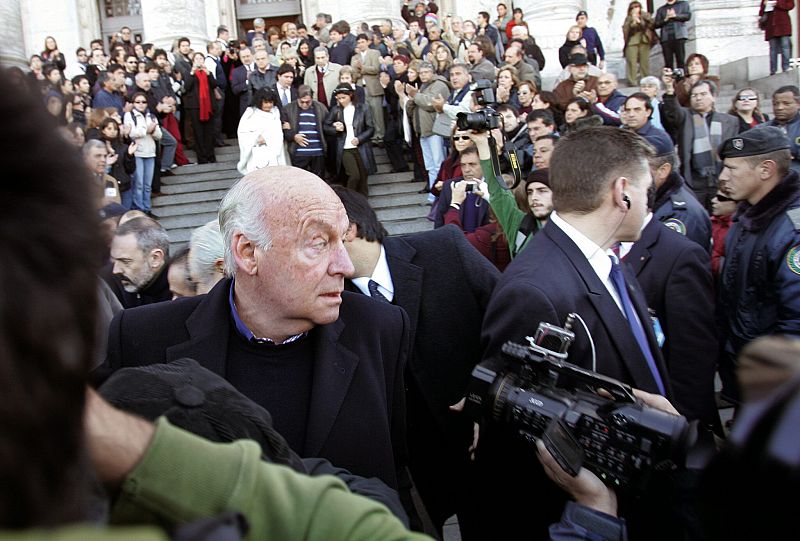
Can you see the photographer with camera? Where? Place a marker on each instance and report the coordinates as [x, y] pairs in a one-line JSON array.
[[701, 130], [600, 177]]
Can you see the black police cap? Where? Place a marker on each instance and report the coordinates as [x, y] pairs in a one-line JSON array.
[[754, 142]]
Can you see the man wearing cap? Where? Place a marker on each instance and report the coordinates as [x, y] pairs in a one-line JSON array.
[[759, 290], [580, 83], [700, 131]]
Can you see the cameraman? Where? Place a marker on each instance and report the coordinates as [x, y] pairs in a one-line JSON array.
[[701, 130]]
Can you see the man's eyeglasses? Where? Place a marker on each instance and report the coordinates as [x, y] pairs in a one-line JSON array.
[[723, 198], [748, 98]]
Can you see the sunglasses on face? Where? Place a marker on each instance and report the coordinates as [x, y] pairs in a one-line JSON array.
[[461, 138], [722, 198], [140, 102]]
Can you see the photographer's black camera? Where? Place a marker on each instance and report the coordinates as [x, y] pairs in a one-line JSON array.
[[487, 118], [535, 394], [678, 74]]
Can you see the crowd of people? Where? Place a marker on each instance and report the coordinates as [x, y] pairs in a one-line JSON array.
[[671, 229]]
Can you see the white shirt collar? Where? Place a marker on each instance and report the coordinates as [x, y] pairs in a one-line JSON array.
[[599, 259], [381, 275]]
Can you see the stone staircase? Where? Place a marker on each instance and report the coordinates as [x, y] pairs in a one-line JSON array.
[[191, 197]]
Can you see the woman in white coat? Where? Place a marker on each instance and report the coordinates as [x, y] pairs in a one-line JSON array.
[[260, 133]]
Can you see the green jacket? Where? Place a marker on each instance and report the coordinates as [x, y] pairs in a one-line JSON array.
[[183, 477], [504, 206]]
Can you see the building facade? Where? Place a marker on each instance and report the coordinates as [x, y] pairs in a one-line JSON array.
[[724, 30]]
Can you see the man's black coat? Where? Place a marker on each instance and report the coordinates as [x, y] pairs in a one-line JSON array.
[[675, 275], [357, 408]]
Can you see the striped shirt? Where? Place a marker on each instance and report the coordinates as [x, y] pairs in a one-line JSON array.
[[307, 125]]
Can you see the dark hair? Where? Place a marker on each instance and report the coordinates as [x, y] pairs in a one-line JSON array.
[[582, 104], [359, 212], [150, 65], [641, 96], [362, 36], [697, 56], [146, 47], [160, 52], [711, 86], [788, 88], [551, 136], [263, 95], [301, 26], [107, 121], [47, 318], [78, 78], [78, 51], [469, 151], [606, 153], [541, 114], [343, 27], [517, 10], [113, 67], [184, 39], [304, 90], [99, 42], [485, 15], [285, 68], [50, 68], [506, 107], [782, 159], [485, 45]]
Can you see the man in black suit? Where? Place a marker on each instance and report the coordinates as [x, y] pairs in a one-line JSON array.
[[327, 364], [444, 285], [283, 86], [600, 199], [239, 78], [675, 275]]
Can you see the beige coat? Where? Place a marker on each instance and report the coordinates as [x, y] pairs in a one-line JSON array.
[[329, 80], [368, 71]]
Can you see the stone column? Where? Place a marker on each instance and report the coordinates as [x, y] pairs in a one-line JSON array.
[[726, 30], [548, 22], [164, 22], [12, 37]]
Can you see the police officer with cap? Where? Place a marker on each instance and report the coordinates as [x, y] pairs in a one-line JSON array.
[[675, 204], [760, 281]]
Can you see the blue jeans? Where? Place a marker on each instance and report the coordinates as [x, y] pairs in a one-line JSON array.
[[782, 45], [127, 198], [168, 147], [433, 155], [143, 183]]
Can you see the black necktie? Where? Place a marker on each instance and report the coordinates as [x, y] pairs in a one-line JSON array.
[[374, 293]]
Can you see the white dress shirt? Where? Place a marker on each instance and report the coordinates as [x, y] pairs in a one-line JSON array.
[[381, 276]]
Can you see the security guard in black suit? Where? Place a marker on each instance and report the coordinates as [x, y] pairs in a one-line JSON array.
[[675, 205], [444, 285], [760, 281]]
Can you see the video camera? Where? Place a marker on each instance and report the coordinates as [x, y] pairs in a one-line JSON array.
[[487, 118], [536, 394]]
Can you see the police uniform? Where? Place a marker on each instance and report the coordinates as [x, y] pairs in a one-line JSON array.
[[675, 204], [678, 208], [760, 281]]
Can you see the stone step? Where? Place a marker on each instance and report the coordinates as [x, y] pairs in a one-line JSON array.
[[185, 221], [204, 168], [221, 151], [198, 207], [403, 213], [396, 200], [389, 178], [404, 227], [191, 197], [217, 174], [203, 186], [399, 187]]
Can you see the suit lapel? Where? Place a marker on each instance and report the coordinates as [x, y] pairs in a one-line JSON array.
[[406, 277], [608, 312], [208, 327], [334, 367]]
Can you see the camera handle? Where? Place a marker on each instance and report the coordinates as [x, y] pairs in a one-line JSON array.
[[511, 156]]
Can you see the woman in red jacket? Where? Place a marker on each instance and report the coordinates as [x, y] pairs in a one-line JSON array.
[[773, 18]]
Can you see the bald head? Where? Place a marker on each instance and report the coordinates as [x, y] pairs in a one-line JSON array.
[[268, 201], [283, 230]]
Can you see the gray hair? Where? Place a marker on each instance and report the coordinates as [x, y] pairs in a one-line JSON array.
[[92, 144], [242, 210], [651, 80], [205, 247], [321, 49], [150, 235]]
